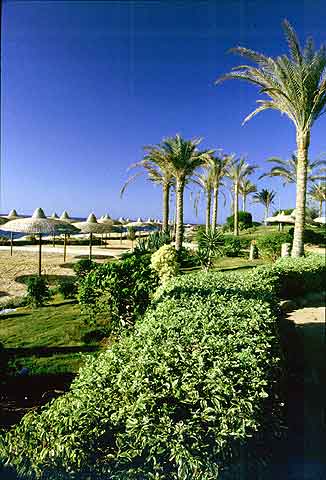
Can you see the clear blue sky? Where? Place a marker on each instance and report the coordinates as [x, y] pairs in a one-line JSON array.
[[86, 84]]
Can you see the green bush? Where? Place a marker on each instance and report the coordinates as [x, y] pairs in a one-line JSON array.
[[118, 292], [67, 288], [83, 267], [153, 242], [244, 219], [269, 246], [209, 246], [172, 400], [38, 292], [187, 258], [312, 236], [232, 246], [294, 277], [165, 263]]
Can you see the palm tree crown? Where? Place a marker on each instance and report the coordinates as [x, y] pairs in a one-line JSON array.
[[245, 189], [266, 198], [296, 87], [318, 193], [287, 169]]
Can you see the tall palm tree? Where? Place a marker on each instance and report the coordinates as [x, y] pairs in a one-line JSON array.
[[183, 158], [287, 169], [296, 86], [237, 171], [266, 198], [157, 169], [245, 189], [205, 181], [318, 193], [218, 165]]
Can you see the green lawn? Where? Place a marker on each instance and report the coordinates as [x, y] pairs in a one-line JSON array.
[[47, 339]]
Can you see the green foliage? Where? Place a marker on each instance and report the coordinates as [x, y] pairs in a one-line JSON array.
[[131, 234], [269, 246], [187, 258], [172, 400], [83, 267], [165, 263], [117, 293], [67, 288], [312, 236], [232, 246], [244, 218], [295, 277], [37, 291], [153, 242], [209, 246]]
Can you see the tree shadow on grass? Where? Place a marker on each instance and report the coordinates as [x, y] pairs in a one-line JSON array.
[[51, 279], [94, 257]]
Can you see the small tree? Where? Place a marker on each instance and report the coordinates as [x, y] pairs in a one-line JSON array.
[[210, 244]]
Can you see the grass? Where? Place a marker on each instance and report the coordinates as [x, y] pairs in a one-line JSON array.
[[46, 340]]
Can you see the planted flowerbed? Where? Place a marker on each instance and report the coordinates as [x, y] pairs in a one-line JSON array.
[[196, 378]]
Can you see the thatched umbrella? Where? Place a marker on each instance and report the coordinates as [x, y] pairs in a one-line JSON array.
[[12, 215], [38, 224], [65, 217], [321, 220], [107, 220], [91, 225]]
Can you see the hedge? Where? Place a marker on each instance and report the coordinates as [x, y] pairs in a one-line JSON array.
[[170, 401]]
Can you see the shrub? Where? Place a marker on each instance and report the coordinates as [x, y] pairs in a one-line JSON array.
[[170, 401], [67, 288], [118, 291], [209, 246], [244, 218], [153, 242], [83, 267], [165, 263], [294, 277], [94, 335], [269, 246], [312, 236], [37, 291], [232, 246], [187, 258]]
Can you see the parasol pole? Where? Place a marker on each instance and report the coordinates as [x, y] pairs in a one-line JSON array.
[[65, 248], [90, 245], [40, 255], [11, 242]]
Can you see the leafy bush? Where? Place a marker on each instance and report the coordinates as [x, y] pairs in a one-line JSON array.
[[269, 246], [232, 246], [244, 218], [37, 291], [209, 246], [312, 236], [294, 277], [83, 267], [165, 263], [118, 291], [187, 258], [67, 288], [153, 242], [170, 401], [94, 335]]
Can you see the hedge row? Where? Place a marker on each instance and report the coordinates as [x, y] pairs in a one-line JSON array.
[[172, 399]]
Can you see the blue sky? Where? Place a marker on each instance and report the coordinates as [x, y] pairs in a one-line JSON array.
[[86, 84]]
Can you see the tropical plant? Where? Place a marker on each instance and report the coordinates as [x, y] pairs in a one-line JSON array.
[[38, 292], [245, 189], [218, 164], [205, 181], [165, 263], [210, 244], [287, 169], [296, 87], [131, 235], [183, 158], [237, 171], [266, 198], [318, 193], [157, 168]]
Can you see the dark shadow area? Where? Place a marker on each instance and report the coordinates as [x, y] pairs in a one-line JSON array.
[[94, 257], [52, 279], [13, 315], [4, 294], [48, 351]]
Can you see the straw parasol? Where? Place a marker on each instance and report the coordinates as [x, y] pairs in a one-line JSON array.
[[91, 226], [54, 215], [12, 215], [321, 220], [39, 224], [107, 220]]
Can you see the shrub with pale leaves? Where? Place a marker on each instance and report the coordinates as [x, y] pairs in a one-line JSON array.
[[165, 262]]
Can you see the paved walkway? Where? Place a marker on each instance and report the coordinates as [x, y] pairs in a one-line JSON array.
[[303, 454]]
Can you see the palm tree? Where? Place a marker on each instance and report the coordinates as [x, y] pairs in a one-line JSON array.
[[157, 169], [245, 189], [237, 171], [318, 193], [266, 198], [205, 182], [219, 166], [287, 169], [296, 86], [183, 158]]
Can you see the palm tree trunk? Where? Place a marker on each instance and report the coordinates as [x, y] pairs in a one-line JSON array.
[[208, 210], [236, 209], [215, 208], [320, 208], [166, 200], [303, 140], [179, 214], [266, 214], [244, 201]]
